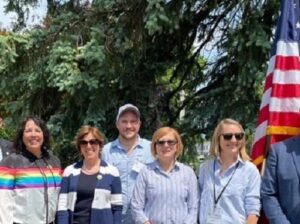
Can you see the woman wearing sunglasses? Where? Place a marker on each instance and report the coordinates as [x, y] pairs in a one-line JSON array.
[[166, 190], [91, 189], [229, 182]]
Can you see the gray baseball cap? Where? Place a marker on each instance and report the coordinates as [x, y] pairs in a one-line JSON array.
[[128, 107]]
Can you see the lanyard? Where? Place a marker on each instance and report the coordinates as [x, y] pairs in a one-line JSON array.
[[216, 199]]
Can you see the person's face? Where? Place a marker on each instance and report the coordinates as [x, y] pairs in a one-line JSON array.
[[33, 136], [166, 147], [230, 140], [90, 147], [128, 125]]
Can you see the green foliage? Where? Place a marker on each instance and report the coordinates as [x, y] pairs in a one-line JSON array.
[[9, 44], [90, 57], [7, 133], [62, 68]]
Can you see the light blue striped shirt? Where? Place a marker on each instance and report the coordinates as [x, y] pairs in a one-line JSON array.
[[241, 197], [165, 198], [115, 154]]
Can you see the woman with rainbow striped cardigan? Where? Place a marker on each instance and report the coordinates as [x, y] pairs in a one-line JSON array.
[[30, 178]]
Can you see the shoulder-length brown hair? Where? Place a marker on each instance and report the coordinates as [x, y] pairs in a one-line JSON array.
[[86, 129], [159, 133], [215, 141]]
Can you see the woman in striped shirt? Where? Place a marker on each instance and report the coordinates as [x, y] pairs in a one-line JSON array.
[[229, 183], [166, 190]]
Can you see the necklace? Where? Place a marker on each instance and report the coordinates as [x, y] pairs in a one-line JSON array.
[[94, 169]]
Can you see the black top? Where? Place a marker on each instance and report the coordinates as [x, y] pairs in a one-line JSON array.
[[85, 196]]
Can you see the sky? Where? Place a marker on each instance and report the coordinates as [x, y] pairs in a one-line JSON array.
[[35, 16]]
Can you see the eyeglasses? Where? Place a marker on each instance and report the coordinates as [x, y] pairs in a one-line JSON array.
[[238, 136], [169, 142], [92, 142]]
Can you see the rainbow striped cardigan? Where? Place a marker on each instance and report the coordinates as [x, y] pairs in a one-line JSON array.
[[29, 188]]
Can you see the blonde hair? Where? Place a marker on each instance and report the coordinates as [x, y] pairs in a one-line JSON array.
[[215, 141], [159, 133]]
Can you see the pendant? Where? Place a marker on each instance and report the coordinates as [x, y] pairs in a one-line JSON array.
[[99, 176]]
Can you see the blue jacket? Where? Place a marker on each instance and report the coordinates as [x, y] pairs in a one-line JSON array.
[[107, 202], [280, 184]]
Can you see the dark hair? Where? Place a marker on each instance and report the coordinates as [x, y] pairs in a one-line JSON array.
[[18, 142]]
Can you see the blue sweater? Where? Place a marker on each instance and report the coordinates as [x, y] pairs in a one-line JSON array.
[[107, 202]]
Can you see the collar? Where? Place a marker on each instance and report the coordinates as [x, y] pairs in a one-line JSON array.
[[239, 160], [32, 157], [158, 167], [117, 143], [79, 164]]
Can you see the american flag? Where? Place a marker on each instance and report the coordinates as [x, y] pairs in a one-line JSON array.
[[279, 116]]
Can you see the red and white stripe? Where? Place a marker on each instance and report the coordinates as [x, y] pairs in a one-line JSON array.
[[279, 114]]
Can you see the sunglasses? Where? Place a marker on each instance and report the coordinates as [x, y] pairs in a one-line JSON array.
[[92, 142], [238, 136], [169, 142]]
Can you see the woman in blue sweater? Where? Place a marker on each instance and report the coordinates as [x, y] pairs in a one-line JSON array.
[[91, 188]]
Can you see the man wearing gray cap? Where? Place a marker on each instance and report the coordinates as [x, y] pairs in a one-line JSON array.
[[129, 153]]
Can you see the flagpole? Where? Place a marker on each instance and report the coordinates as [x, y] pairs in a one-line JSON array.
[[262, 219], [266, 152]]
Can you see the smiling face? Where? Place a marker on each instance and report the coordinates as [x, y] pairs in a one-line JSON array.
[[230, 147], [90, 147], [128, 125], [166, 147], [33, 137]]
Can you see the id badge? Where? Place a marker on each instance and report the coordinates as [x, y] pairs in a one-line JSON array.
[[214, 216], [137, 166]]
